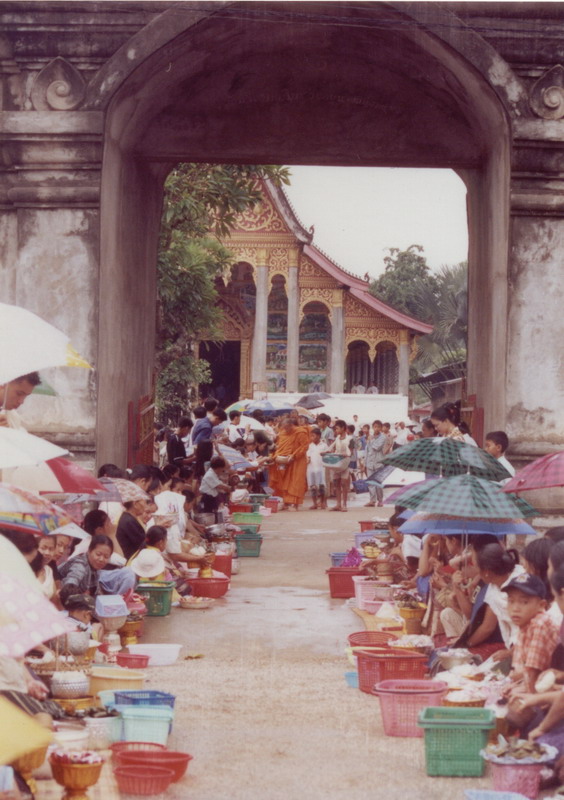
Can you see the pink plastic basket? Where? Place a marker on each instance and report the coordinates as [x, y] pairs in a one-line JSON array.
[[520, 778], [402, 700]]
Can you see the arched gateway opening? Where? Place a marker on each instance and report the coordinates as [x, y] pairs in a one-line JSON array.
[[381, 84]]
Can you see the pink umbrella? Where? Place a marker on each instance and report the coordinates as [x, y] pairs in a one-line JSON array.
[[546, 472], [27, 618], [395, 497], [24, 511], [57, 476]]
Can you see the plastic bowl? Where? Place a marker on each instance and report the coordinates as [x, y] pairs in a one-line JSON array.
[[132, 660], [160, 655], [170, 759], [131, 747], [143, 780]]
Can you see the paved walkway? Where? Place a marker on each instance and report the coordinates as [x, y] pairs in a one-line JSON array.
[[266, 712]]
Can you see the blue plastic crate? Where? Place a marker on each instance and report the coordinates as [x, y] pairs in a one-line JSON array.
[[337, 559], [143, 697]]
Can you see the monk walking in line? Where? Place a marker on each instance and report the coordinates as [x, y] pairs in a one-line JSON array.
[[288, 475]]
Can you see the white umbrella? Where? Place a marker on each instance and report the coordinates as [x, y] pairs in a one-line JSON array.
[[18, 448], [28, 344], [70, 529]]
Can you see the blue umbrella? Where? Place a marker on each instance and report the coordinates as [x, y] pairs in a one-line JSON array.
[[424, 523], [270, 408], [233, 457]]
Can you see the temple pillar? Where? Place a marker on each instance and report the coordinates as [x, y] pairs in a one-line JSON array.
[[293, 346], [403, 361], [258, 373], [337, 376]]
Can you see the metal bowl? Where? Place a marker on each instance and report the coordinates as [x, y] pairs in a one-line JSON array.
[[204, 519], [69, 685], [216, 530]]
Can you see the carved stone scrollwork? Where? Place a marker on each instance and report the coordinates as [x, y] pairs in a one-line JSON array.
[[58, 87], [547, 94]]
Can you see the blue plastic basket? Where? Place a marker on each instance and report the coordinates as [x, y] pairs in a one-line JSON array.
[[360, 487], [337, 559], [352, 679], [146, 723], [144, 697]]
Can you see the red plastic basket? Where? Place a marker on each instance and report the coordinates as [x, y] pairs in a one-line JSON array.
[[366, 525], [401, 701], [170, 759], [240, 508], [143, 780], [272, 505], [130, 747], [388, 664], [222, 563], [132, 661], [370, 638], [209, 587], [341, 581], [519, 778]]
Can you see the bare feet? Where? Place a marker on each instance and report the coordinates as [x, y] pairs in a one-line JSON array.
[[369, 505], [336, 508], [344, 509], [313, 508]]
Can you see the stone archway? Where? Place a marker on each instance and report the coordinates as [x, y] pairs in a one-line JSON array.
[[381, 84], [373, 94]]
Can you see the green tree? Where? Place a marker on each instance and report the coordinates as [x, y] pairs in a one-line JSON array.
[[201, 204], [405, 272], [447, 310]]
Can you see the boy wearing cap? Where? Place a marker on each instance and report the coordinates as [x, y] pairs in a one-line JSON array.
[[538, 635]]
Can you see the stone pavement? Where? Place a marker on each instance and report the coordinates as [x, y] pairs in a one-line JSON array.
[[266, 711]]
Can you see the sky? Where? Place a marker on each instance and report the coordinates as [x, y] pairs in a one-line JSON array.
[[358, 212]]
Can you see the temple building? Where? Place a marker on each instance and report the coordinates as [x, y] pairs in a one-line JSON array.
[[294, 320]]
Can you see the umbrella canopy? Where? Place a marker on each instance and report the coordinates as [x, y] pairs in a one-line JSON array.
[[20, 448], [546, 472], [396, 496], [310, 402], [240, 405], [128, 491], [270, 408], [466, 496], [71, 529], [233, 457], [447, 457], [23, 511], [447, 525], [27, 618], [304, 412], [57, 476], [251, 422], [20, 733], [39, 344]]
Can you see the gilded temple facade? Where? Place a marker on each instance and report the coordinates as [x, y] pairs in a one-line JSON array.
[[293, 320]]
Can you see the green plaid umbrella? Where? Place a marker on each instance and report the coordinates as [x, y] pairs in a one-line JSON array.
[[447, 457], [466, 496]]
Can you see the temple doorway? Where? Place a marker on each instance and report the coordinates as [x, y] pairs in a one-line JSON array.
[[224, 359]]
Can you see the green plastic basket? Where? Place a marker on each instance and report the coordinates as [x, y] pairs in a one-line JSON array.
[[249, 528], [259, 498], [158, 599], [245, 516], [454, 737], [248, 545]]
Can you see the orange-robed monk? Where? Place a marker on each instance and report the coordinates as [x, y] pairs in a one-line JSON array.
[[290, 483]]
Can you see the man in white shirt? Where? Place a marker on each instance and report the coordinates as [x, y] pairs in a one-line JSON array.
[[235, 430], [496, 444], [401, 434]]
